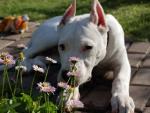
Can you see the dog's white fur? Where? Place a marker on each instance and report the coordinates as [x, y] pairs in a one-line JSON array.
[[77, 32]]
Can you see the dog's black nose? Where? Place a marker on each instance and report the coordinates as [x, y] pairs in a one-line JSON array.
[[64, 75]]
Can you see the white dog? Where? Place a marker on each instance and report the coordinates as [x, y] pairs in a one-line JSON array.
[[97, 39]]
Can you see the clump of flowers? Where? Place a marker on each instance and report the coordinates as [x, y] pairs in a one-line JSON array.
[[46, 87], [6, 58], [68, 90], [17, 94]]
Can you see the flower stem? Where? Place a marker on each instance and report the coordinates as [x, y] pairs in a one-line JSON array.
[[46, 74], [18, 71], [39, 100], [68, 80], [61, 104], [48, 103], [32, 83], [45, 98], [3, 84], [21, 81], [8, 80]]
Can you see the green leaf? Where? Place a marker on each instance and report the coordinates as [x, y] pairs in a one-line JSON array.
[[8, 106], [48, 107]]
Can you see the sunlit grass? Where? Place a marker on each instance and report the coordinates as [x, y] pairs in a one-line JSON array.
[[135, 20], [134, 15]]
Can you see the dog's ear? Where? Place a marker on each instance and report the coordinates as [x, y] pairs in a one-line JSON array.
[[70, 12], [97, 15]]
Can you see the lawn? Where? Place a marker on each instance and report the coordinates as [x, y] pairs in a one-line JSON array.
[[134, 15]]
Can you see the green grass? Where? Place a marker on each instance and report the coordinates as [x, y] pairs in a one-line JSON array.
[[134, 15]]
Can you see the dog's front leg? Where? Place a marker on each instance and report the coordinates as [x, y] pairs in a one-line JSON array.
[[121, 101]]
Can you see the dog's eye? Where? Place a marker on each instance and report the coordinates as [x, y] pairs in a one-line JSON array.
[[87, 47], [62, 47]]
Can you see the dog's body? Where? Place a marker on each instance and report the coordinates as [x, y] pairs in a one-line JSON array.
[[95, 42]]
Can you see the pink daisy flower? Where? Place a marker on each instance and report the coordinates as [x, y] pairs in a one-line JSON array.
[[46, 87], [6, 59], [63, 85], [75, 74]]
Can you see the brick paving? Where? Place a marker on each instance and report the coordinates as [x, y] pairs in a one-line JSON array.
[[147, 110], [96, 94]]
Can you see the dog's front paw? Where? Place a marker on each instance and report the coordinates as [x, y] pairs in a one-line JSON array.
[[122, 104]]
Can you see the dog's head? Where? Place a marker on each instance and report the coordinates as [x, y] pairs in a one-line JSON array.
[[84, 37]]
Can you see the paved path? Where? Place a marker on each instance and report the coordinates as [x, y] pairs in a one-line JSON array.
[[96, 94]]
